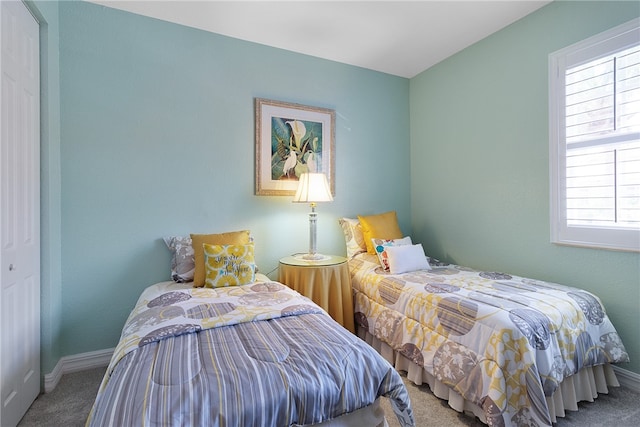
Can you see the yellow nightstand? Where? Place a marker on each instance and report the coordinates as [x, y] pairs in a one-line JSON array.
[[327, 282]]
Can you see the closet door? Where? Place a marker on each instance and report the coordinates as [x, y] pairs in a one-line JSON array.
[[20, 212]]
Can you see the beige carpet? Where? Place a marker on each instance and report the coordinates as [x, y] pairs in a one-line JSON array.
[[429, 410], [69, 404]]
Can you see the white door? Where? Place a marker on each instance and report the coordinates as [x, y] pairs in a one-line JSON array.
[[20, 212]]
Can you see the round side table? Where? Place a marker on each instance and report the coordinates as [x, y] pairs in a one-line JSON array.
[[326, 282]]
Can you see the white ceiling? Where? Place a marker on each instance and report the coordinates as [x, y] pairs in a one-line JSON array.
[[402, 38]]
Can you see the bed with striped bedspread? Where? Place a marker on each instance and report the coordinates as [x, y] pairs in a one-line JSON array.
[[253, 355]]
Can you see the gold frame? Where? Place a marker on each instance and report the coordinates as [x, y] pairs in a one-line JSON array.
[[276, 139]]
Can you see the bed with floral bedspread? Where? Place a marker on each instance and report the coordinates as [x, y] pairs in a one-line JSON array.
[[506, 345]]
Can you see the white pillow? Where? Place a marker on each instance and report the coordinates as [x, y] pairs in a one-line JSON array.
[[405, 258], [380, 247]]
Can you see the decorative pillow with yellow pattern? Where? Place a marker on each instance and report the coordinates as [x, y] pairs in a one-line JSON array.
[[229, 265], [242, 237]]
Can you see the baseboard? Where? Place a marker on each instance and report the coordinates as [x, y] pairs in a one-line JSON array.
[[76, 363], [627, 379]]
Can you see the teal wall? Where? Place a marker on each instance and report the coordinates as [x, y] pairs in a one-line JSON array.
[[157, 139], [148, 131], [480, 161]]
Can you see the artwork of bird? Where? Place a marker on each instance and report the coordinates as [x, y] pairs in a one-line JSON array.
[[290, 163]]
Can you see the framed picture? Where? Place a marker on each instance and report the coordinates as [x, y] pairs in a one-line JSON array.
[[292, 139]]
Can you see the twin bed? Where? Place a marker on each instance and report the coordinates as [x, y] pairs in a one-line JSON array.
[[511, 350], [252, 354]]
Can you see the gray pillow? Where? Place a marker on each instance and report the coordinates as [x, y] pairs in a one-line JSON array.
[[182, 262]]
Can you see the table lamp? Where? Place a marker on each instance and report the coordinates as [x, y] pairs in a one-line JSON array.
[[313, 188]]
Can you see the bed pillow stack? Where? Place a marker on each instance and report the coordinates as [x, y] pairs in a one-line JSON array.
[[188, 262], [199, 240], [381, 235]]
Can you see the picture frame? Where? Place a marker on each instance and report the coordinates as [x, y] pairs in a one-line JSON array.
[[292, 139]]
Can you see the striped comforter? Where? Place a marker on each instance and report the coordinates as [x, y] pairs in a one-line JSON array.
[[256, 355]]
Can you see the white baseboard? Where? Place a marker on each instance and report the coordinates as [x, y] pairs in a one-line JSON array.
[[76, 363], [628, 379]]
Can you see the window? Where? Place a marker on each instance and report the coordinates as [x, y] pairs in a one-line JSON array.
[[594, 123]]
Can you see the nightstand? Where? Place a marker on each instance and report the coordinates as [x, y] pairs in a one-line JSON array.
[[326, 282]]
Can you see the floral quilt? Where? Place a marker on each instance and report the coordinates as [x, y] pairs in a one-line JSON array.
[[502, 342]]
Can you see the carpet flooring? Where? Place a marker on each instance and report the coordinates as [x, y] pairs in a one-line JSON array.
[[70, 402]]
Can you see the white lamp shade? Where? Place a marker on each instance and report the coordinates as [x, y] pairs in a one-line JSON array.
[[313, 187]]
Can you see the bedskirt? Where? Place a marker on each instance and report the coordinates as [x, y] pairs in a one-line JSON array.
[[582, 386]]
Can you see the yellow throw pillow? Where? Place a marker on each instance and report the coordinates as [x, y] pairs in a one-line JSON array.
[[229, 265], [198, 240], [380, 226]]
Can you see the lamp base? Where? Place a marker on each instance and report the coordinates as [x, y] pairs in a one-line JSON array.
[[313, 257]]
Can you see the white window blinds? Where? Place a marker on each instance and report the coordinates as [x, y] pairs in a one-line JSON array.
[[595, 140], [603, 148]]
